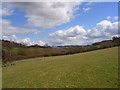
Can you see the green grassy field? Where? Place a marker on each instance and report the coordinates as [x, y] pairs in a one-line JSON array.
[[95, 69]]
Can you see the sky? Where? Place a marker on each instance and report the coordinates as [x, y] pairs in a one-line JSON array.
[[59, 23]]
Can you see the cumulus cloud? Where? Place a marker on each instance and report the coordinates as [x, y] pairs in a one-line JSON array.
[[89, 3], [6, 12], [116, 17], [69, 36], [25, 41], [78, 35], [41, 43], [71, 32], [86, 9], [14, 38], [103, 29], [47, 14], [8, 29], [108, 17]]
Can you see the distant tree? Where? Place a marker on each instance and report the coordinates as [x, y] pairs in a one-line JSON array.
[[36, 45], [116, 40], [10, 46], [46, 45]]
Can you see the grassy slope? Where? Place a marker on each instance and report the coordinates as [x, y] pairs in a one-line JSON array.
[[85, 70]]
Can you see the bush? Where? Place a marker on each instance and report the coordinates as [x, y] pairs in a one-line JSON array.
[[3, 55], [11, 52], [22, 52]]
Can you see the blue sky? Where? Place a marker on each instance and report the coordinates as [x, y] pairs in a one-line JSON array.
[[96, 13]]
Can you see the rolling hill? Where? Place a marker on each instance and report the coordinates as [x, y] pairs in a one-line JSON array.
[[94, 69]]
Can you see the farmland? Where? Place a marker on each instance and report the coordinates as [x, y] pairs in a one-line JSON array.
[[94, 69]]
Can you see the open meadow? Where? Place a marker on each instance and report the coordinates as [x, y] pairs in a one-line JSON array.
[[94, 69]]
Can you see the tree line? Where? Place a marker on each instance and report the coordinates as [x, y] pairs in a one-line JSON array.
[[14, 51]]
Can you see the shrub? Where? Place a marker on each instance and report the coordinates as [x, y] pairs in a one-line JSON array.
[[22, 52]]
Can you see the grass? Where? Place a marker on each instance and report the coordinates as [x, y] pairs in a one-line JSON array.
[[95, 69]]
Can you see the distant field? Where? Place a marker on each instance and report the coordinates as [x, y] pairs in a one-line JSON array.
[[95, 69]]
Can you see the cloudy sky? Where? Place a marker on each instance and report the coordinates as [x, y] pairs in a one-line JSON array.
[[59, 23]]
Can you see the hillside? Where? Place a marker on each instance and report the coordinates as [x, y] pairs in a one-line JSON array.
[[95, 69], [14, 51]]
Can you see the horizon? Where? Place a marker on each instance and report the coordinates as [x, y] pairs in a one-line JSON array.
[[59, 23], [57, 45]]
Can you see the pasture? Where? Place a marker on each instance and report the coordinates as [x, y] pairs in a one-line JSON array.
[[94, 69]]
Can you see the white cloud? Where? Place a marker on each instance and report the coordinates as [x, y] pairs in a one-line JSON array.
[[60, 0], [79, 36], [116, 17], [89, 3], [49, 14], [41, 43], [18, 40], [69, 36], [6, 12], [71, 32], [86, 9], [45, 1], [8, 29], [104, 29], [25, 41], [108, 17]]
